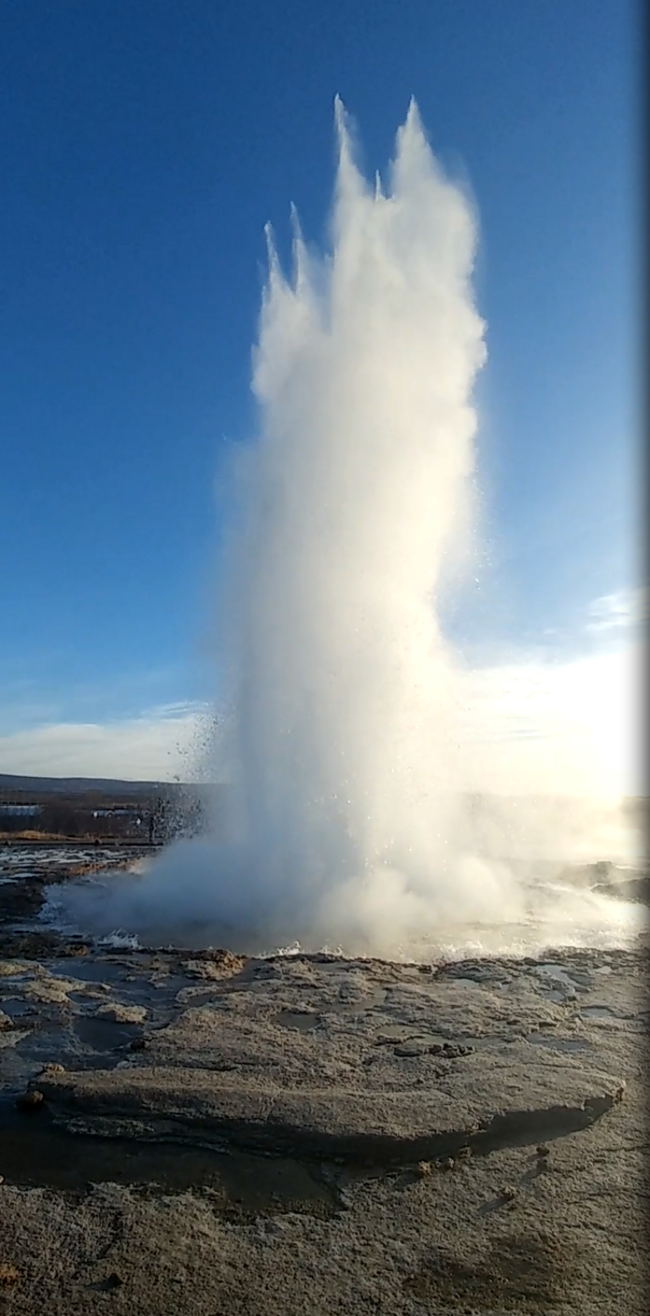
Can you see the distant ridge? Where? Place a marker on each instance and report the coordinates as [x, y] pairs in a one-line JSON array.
[[83, 785], [63, 785]]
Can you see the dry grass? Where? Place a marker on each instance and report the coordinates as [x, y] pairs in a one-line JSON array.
[[8, 1274], [31, 835]]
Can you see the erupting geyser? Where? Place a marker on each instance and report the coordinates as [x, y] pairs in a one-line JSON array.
[[354, 513], [356, 505]]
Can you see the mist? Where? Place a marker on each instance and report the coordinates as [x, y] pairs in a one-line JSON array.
[[353, 521]]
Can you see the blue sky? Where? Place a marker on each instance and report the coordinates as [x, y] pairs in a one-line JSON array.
[[144, 148]]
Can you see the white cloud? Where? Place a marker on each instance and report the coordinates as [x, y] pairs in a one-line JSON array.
[[529, 725], [157, 746], [568, 727], [625, 607]]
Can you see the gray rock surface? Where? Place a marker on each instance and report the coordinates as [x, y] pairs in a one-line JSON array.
[[318, 1135]]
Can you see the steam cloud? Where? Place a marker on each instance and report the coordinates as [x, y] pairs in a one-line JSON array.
[[354, 515]]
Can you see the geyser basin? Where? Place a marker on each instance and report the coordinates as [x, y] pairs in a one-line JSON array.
[[573, 908], [350, 521], [369, 1082]]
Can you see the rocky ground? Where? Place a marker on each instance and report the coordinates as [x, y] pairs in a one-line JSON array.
[[202, 1132]]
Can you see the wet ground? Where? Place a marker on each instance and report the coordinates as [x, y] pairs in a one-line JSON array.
[[28, 870], [201, 1131]]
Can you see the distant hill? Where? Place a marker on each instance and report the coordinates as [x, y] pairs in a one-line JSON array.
[[99, 807], [85, 785]]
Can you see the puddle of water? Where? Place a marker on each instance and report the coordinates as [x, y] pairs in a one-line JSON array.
[[632, 1023], [17, 1009], [104, 1034], [355, 1006], [558, 1043], [396, 1033], [88, 970], [555, 971], [33, 1152], [40, 1046], [132, 988], [297, 1019], [491, 1040]]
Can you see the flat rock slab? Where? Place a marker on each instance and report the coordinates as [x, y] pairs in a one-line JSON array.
[[468, 1110], [313, 1135], [355, 1059]]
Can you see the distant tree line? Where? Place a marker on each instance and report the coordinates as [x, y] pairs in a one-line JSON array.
[[150, 819]]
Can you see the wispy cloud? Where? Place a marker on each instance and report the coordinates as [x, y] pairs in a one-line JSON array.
[[537, 724], [624, 608], [54, 695], [159, 745], [530, 723]]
